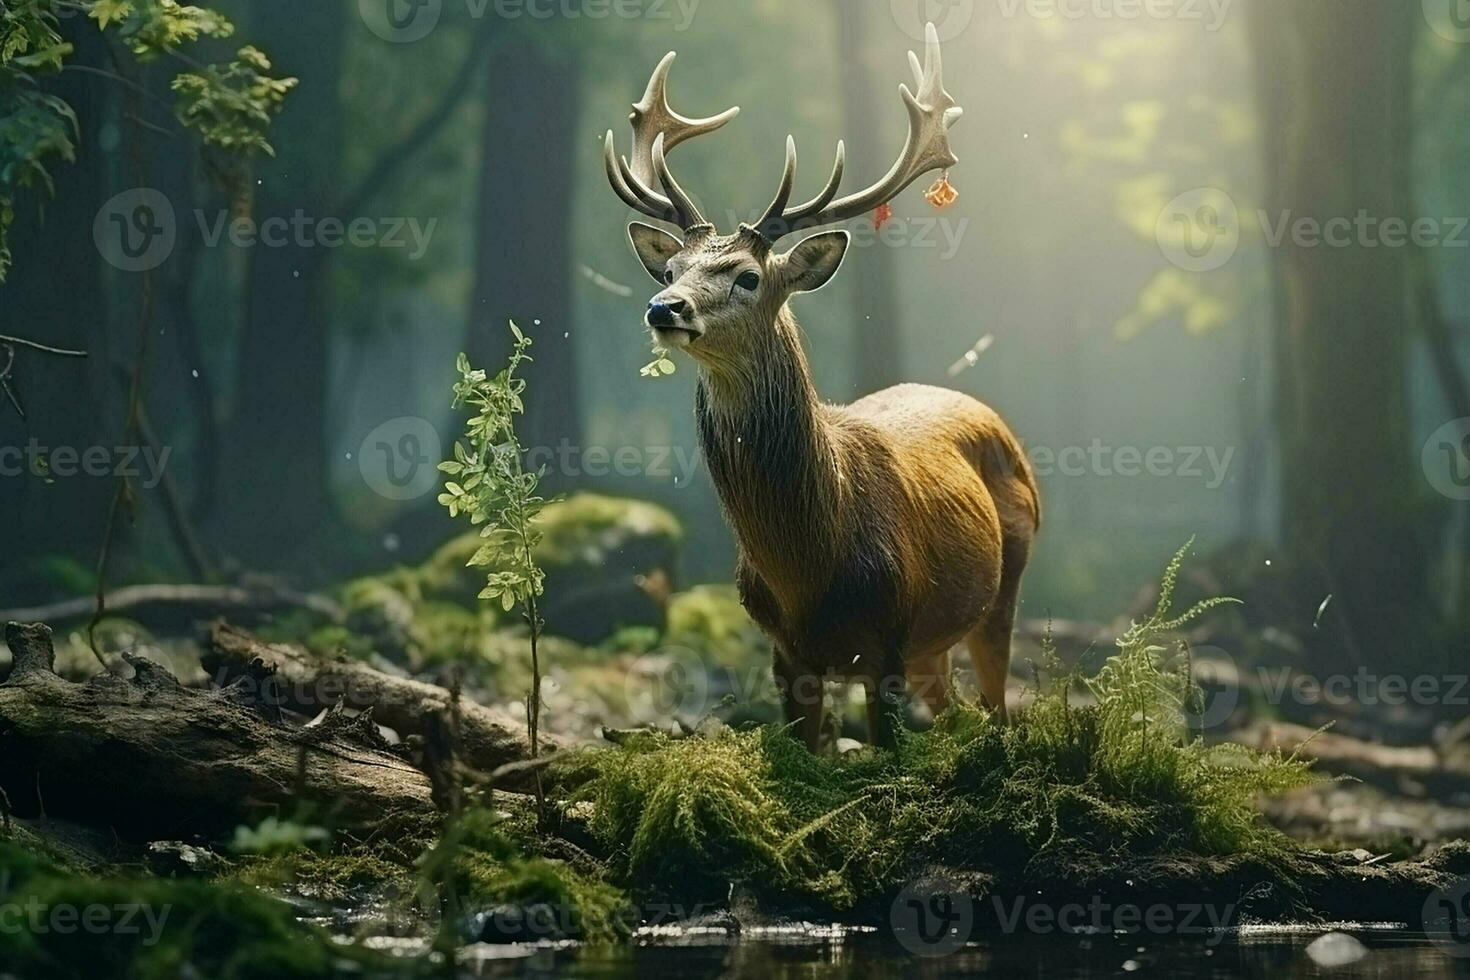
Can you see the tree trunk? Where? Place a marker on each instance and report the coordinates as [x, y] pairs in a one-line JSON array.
[[1336, 75], [523, 238], [865, 89], [57, 294], [278, 426]]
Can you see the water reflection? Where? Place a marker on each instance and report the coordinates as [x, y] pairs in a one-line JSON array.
[[1263, 953]]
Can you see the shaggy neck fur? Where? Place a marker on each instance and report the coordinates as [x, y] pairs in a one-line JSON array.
[[773, 458]]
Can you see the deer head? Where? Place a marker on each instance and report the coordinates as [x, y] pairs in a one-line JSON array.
[[723, 293]]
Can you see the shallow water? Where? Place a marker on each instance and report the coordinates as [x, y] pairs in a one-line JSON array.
[[1259, 952]]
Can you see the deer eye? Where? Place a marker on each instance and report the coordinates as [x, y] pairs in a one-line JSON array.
[[749, 280]]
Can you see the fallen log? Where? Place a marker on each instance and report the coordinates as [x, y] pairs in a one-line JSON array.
[[162, 606], [301, 681], [153, 759], [1415, 771]]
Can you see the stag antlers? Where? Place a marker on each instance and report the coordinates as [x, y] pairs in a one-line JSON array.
[[657, 129]]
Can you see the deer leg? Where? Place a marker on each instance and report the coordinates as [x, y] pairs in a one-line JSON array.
[[885, 703], [803, 700], [929, 679], [990, 641]]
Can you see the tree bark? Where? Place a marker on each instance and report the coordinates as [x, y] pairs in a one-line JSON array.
[[57, 294], [151, 759], [279, 421], [488, 739], [523, 238], [1336, 80]]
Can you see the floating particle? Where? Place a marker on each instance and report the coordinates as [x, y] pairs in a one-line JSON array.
[[972, 356]]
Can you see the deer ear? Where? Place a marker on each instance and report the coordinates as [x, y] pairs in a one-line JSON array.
[[654, 247], [811, 264]]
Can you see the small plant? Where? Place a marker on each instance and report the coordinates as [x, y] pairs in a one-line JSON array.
[[489, 484]]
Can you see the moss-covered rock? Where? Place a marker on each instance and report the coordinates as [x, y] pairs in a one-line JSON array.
[[609, 564], [709, 620]]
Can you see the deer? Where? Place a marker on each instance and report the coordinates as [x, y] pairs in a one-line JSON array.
[[872, 538]]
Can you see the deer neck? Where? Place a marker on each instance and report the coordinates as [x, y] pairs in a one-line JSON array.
[[773, 458]]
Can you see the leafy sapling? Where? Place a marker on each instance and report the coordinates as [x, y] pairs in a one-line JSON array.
[[489, 484]]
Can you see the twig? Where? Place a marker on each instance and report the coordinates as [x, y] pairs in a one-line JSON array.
[[174, 510], [43, 348], [7, 384]]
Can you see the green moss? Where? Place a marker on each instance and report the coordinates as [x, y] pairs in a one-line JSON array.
[[1120, 777], [709, 620], [160, 928], [581, 528], [327, 877], [486, 868]]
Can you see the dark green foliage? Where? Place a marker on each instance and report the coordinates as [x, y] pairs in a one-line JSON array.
[[230, 106], [218, 930]]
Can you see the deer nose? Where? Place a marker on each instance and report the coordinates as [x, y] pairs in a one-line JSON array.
[[665, 313]]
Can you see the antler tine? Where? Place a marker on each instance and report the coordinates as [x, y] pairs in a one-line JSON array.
[[652, 117], [792, 217], [684, 207], [931, 113], [642, 199], [657, 129], [777, 210]]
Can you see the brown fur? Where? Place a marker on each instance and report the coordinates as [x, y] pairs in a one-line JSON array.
[[873, 537]]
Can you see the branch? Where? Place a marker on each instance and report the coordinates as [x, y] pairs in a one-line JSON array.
[[167, 603], [43, 348], [392, 161], [7, 382]]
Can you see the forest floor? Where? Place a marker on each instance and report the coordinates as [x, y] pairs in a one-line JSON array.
[[320, 778]]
